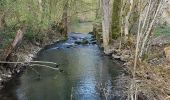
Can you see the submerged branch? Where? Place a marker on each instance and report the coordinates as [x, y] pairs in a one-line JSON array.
[[44, 66]]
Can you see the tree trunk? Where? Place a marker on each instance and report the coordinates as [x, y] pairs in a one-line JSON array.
[[115, 28], [14, 44], [64, 20], [147, 34], [105, 24]]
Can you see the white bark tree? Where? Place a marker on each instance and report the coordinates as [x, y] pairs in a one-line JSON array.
[[154, 8], [105, 23], [148, 15]]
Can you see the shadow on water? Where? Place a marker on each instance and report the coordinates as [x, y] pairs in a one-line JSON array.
[[84, 69]]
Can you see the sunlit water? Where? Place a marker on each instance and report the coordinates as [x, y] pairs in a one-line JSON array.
[[85, 69]]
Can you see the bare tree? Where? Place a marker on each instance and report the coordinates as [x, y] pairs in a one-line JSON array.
[[148, 11], [153, 11]]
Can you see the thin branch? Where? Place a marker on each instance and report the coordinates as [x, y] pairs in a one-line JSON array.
[[44, 66], [45, 62], [150, 28], [146, 16], [133, 84]]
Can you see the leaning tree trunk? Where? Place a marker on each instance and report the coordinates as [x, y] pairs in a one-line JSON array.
[[105, 24], [13, 45]]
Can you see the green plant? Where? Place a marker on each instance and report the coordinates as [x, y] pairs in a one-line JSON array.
[[162, 31]]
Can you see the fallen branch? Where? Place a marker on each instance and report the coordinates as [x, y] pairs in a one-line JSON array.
[[45, 62], [44, 66]]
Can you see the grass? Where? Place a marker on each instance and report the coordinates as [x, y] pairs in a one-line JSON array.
[[164, 30]]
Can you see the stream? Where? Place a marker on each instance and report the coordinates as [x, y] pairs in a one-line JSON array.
[[85, 73]]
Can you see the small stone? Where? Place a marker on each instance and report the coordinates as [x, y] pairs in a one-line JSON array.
[[85, 41], [37, 44], [31, 55], [6, 75], [125, 57], [115, 56]]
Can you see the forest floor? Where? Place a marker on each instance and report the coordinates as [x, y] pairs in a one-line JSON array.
[[152, 74], [25, 52]]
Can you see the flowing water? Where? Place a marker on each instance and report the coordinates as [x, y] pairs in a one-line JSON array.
[[84, 73]]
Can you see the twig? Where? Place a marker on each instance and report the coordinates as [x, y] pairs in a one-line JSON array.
[[44, 66]]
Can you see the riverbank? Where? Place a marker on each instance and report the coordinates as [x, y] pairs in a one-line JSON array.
[[152, 74], [25, 52]]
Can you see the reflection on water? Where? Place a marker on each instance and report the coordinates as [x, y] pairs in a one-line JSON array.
[[84, 67]]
